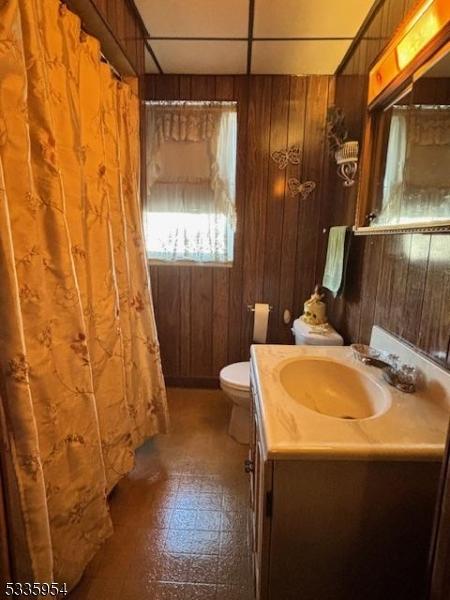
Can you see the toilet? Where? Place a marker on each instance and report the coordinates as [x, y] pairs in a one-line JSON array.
[[235, 378]]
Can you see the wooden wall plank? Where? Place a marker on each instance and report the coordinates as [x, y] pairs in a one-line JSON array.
[[276, 198], [327, 199], [351, 309], [385, 282], [372, 256], [288, 268], [184, 274], [434, 336], [220, 325], [185, 82], [415, 287], [311, 170], [168, 302], [258, 136], [201, 321]]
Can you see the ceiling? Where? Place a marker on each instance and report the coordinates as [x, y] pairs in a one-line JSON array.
[[294, 37]]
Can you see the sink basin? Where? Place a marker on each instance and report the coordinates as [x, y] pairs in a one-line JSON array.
[[333, 388]]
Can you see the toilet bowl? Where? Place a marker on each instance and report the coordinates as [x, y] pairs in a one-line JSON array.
[[235, 378], [235, 383]]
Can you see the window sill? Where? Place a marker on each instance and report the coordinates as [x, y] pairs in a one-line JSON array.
[[187, 263]]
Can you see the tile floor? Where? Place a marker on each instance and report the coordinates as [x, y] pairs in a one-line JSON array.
[[181, 517]]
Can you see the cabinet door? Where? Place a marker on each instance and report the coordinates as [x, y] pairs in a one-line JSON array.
[[252, 456], [262, 522], [440, 547], [261, 503]]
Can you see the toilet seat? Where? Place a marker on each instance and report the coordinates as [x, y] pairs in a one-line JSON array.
[[236, 376]]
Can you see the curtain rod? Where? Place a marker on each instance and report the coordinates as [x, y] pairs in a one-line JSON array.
[[63, 8], [114, 71], [193, 103]]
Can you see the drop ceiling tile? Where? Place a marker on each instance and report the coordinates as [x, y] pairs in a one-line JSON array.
[[298, 58], [150, 66], [195, 18], [308, 18], [205, 57]]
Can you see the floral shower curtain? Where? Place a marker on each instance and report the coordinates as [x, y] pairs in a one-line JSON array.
[[81, 382]]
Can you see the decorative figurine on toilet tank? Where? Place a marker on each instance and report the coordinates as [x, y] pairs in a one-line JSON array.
[[312, 328], [314, 309]]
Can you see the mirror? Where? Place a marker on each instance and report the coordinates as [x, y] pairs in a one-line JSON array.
[[414, 135], [405, 178]]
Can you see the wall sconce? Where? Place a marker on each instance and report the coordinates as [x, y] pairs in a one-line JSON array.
[[347, 161], [344, 153]]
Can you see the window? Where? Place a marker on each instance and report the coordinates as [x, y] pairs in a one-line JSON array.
[[189, 212]]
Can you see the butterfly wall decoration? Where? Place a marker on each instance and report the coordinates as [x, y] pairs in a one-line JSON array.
[[284, 157], [304, 189]]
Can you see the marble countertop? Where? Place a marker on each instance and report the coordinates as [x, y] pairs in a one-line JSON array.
[[413, 428]]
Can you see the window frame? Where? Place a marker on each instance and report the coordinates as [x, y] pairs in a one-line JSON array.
[[231, 237]]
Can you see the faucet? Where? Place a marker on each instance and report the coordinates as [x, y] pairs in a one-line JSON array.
[[403, 378]]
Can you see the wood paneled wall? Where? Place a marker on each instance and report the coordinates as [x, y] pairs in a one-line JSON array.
[[127, 28], [117, 24], [201, 312], [401, 282]]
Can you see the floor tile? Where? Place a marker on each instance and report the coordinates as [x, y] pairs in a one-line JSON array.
[[232, 520], [183, 519], [180, 541], [174, 567], [203, 568], [200, 592], [181, 516], [205, 542], [208, 520], [209, 501]]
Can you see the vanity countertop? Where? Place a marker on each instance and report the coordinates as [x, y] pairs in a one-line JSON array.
[[413, 428]]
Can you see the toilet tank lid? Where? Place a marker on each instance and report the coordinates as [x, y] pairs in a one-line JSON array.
[[237, 375], [305, 333]]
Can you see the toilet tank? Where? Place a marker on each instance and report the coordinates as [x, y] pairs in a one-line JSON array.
[[311, 335]]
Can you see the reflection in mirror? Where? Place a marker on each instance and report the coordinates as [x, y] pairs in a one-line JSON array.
[[413, 145]]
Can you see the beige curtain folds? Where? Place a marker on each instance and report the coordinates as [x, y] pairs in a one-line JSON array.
[[79, 355]]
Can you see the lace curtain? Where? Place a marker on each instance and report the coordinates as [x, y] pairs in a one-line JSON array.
[[80, 372], [189, 213], [416, 184]]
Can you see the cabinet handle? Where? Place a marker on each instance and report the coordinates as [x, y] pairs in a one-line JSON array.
[[249, 466]]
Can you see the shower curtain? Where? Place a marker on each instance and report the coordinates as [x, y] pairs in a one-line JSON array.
[[81, 382]]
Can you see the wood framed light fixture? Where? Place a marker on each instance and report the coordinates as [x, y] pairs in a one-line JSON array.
[[421, 34], [421, 41]]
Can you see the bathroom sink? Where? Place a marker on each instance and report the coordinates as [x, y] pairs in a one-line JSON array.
[[332, 388]]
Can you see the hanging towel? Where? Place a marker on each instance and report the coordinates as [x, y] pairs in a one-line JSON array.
[[336, 262]]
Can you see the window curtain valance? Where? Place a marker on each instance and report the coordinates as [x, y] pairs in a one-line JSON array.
[[191, 142], [184, 124], [428, 125]]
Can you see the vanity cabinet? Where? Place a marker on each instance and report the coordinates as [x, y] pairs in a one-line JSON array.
[[330, 529]]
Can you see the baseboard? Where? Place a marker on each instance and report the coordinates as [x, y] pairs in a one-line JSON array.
[[193, 382]]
